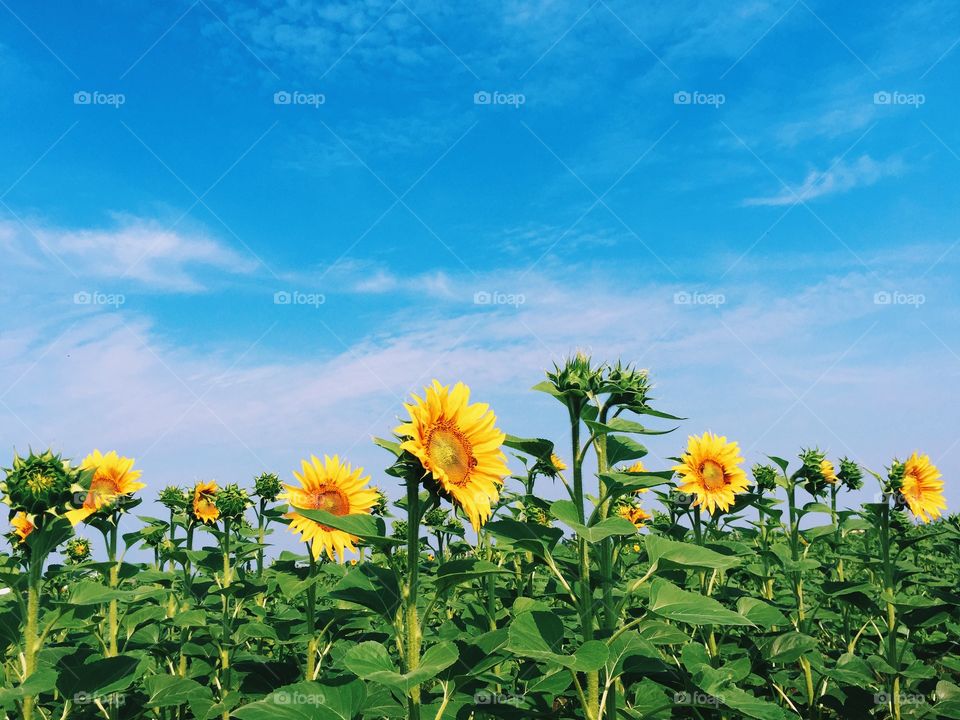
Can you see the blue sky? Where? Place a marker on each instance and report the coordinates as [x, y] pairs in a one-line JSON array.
[[755, 200]]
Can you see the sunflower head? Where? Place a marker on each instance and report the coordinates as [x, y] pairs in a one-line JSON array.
[[22, 526], [205, 502], [627, 385], [335, 487], [174, 498], [711, 470], [765, 477], [232, 501], [267, 486], [557, 463], [635, 514], [458, 445], [922, 488], [850, 475], [111, 477], [38, 483], [576, 379], [78, 550]]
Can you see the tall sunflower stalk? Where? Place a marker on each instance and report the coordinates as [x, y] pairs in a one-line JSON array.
[[231, 503]]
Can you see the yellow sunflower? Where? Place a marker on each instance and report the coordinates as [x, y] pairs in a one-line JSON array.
[[638, 467], [457, 443], [922, 487], [113, 476], [637, 515], [332, 486], [22, 525], [205, 502], [826, 469], [710, 469], [558, 464]]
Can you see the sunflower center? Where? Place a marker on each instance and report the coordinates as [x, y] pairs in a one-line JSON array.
[[451, 452], [713, 476], [39, 482], [332, 500], [102, 489]]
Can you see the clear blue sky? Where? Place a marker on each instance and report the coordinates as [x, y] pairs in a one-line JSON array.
[[790, 169]]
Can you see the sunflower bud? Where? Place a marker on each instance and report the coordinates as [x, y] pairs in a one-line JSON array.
[[153, 535], [576, 379], [765, 476], [232, 501], [816, 470], [436, 518], [850, 475], [78, 550], [38, 483], [380, 506], [536, 515], [400, 528], [174, 498], [267, 486], [895, 477], [627, 386]]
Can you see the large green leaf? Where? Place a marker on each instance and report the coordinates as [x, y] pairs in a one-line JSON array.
[[371, 661], [622, 448], [367, 527], [307, 701], [664, 552], [539, 635], [536, 447], [669, 601], [171, 691], [371, 586], [622, 425], [566, 512], [457, 572]]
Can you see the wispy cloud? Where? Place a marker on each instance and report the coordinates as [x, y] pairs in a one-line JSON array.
[[132, 249], [840, 177]]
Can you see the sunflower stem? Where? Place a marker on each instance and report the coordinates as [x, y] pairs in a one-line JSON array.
[[113, 581], [591, 709], [225, 629], [30, 640], [311, 618], [889, 591], [413, 567]]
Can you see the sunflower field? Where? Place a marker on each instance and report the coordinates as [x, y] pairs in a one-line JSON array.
[[700, 589]]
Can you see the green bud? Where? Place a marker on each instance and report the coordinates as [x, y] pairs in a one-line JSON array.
[[78, 550], [39, 483], [765, 476], [267, 486], [232, 501]]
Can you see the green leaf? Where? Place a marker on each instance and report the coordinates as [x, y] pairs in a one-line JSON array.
[[566, 512], [536, 447], [669, 601], [171, 691], [536, 538], [367, 527], [369, 660], [539, 635], [307, 701], [664, 551], [622, 448], [98, 677], [44, 540], [371, 586], [790, 646], [457, 572], [761, 613], [619, 424]]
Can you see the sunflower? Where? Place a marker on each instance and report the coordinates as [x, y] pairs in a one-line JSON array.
[[113, 477], [558, 464], [635, 514], [205, 502], [710, 469], [638, 467], [332, 486], [457, 443], [22, 526], [922, 487], [826, 469]]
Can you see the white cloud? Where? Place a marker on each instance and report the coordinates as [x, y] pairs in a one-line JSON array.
[[136, 250], [839, 177]]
